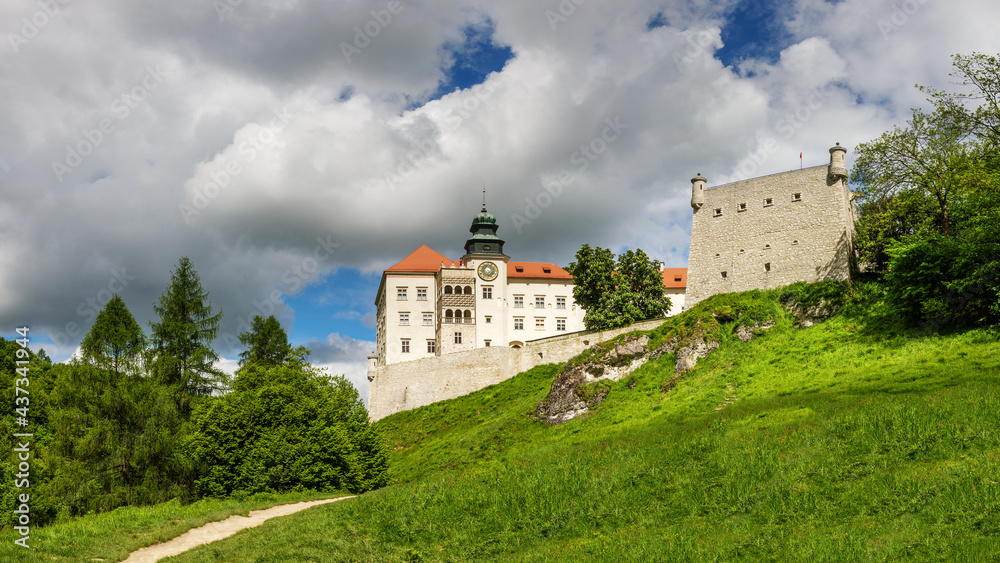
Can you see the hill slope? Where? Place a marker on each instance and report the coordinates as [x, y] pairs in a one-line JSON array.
[[849, 440]]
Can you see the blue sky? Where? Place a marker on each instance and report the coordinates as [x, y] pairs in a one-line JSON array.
[[294, 150]]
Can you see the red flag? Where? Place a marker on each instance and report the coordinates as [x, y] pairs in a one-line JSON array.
[[800, 155]]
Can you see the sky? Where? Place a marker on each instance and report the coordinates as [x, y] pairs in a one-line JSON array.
[[293, 150]]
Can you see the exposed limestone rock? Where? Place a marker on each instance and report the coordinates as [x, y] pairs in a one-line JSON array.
[[689, 355], [808, 316], [746, 333]]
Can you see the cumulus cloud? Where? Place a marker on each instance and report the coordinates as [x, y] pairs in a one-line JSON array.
[[248, 141]]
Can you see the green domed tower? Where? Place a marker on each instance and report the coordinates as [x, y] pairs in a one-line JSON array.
[[484, 239]]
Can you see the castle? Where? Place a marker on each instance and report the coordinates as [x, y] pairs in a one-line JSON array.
[[446, 328], [771, 231]]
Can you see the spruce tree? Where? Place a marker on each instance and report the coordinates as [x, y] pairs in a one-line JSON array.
[[182, 339], [116, 342], [267, 343]]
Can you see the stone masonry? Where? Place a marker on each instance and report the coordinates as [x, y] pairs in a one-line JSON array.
[[771, 231]]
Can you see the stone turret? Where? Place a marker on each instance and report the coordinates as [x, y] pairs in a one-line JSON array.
[[698, 191], [838, 163], [372, 362]]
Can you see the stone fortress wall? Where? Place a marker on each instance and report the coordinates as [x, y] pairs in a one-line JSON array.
[[408, 385], [771, 231]]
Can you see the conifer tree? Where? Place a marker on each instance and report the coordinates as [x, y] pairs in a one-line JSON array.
[[267, 343], [182, 339], [116, 342]]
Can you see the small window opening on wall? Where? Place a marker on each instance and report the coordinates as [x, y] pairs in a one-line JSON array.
[[547, 270], [767, 266], [768, 201], [796, 197], [795, 242], [742, 251], [723, 275], [718, 211], [767, 247], [717, 255], [519, 270], [742, 207]]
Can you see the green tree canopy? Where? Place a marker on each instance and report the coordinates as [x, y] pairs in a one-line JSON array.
[[617, 294], [285, 428], [116, 342], [267, 343], [182, 339], [930, 203]]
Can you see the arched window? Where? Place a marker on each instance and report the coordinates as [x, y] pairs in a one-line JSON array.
[[448, 314], [447, 290], [468, 314], [468, 290]]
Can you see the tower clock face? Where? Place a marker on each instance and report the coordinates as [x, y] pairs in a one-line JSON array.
[[488, 271]]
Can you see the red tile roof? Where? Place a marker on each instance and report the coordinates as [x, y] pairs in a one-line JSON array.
[[674, 278], [423, 259], [543, 270]]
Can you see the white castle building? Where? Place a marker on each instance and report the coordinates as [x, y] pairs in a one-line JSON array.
[[429, 305]]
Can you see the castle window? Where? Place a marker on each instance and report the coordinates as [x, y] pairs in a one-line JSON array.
[[518, 323], [421, 294], [718, 212], [547, 270], [519, 270], [400, 294], [431, 346], [717, 255], [767, 247], [768, 201], [677, 278], [539, 301], [560, 324], [794, 242], [723, 275], [486, 343], [428, 319], [489, 319], [468, 315], [468, 290], [560, 302], [767, 266], [486, 247], [458, 338], [742, 251], [518, 301], [404, 319], [405, 343], [539, 323], [742, 207], [796, 197], [487, 292], [447, 290]]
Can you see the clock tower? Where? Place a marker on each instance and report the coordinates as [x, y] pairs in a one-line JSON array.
[[484, 256]]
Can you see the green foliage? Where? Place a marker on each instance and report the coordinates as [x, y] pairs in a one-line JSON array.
[[617, 294], [829, 293], [843, 443], [116, 342], [182, 339], [930, 215], [285, 428], [267, 343]]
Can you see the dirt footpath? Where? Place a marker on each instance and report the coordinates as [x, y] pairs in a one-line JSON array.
[[218, 530]]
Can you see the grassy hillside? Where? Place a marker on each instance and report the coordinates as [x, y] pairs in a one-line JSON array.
[[852, 440]]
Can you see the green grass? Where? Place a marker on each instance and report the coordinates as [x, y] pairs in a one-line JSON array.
[[111, 536], [852, 440]]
